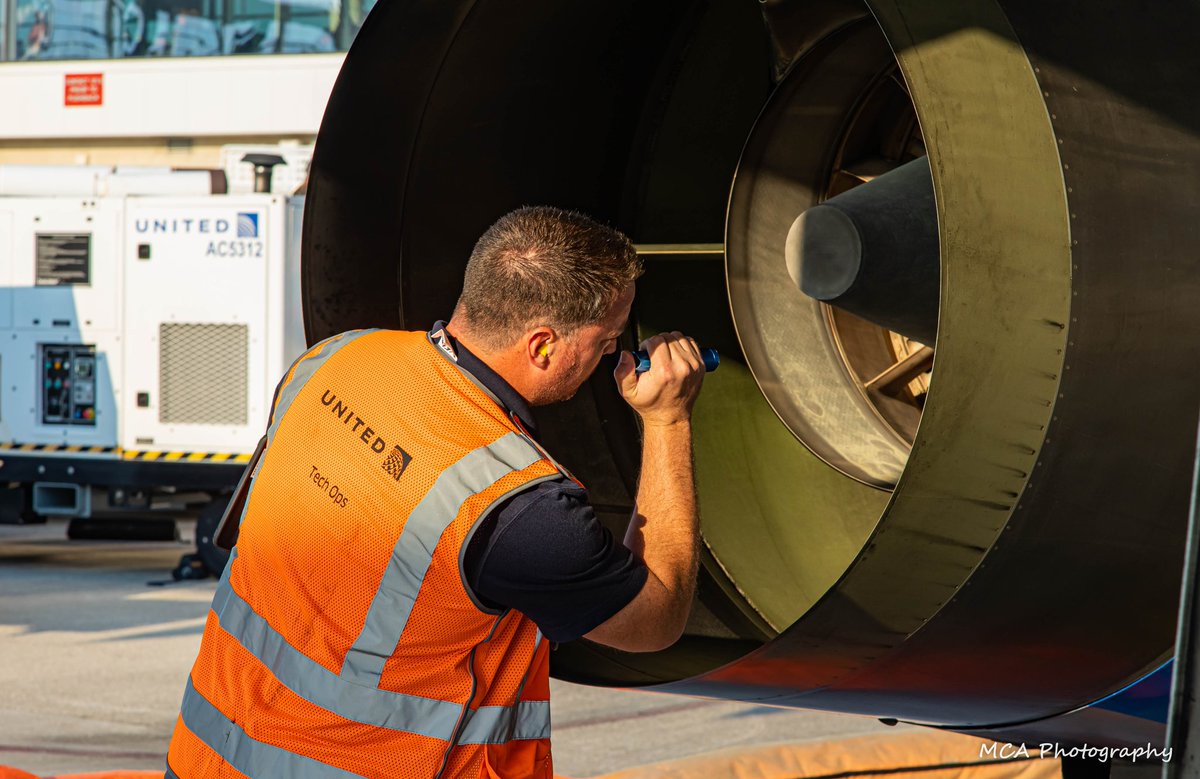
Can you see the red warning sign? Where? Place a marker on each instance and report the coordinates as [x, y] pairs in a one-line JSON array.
[[84, 89]]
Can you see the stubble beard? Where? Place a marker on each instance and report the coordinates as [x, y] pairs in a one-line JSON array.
[[563, 389]]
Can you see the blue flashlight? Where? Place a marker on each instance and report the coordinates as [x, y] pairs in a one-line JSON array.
[[710, 356]]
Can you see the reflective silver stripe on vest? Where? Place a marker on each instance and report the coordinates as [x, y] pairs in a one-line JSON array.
[[413, 553], [305, 368], [537, 644], [501, 724], [253, 758], [317, 684]]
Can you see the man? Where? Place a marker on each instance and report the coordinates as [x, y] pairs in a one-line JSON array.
[[407, 547]]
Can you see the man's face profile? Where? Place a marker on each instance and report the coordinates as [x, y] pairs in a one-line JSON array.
[[581, 351]]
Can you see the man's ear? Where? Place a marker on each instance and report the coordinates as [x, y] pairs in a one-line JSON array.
[[540, 345]]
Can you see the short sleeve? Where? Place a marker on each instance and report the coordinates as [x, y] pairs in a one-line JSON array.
[[545, 554]]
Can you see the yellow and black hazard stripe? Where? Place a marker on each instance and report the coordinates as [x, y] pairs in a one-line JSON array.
[[14, 447], [128, 454], [187, 457]]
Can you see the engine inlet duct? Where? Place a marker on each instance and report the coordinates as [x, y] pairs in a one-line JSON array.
[[987, 537]]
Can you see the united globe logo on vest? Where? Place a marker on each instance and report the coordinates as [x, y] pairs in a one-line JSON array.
[[396, 461]]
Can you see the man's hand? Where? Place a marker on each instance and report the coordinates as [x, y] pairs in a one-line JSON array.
[[665, 527], [665, 394]]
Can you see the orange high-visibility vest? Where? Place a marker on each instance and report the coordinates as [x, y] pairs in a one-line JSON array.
[[343, 640]]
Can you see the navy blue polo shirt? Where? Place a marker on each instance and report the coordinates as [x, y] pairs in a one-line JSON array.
[[542, 551]]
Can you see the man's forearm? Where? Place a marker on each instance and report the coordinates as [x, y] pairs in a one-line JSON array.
[[665, 529]]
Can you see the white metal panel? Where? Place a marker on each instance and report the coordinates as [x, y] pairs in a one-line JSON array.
[[36, 316], [6, 252], [6, 303], [51, 180], [185, 97], [214, 261], [14, 408], [177, 182], [80, 308], [22, 396], [91, 181]]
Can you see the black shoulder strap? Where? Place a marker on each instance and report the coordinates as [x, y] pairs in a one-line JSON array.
[[227, 529]]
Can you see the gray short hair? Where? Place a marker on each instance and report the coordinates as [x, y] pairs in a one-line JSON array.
[[541, 265]]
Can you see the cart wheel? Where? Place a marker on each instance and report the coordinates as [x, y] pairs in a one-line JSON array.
[[214, 558], [190, 567]]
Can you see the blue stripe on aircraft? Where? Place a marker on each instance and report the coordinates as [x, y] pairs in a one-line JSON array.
[[1148, 698]]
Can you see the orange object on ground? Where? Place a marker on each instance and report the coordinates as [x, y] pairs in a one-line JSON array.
[[342, 631], [7, 772], [111, 775], [906, 754], [15, 773]]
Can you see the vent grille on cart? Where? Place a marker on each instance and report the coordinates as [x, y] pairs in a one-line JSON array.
[[203, 374]]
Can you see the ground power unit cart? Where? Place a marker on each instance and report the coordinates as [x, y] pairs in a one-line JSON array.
[[141, 338]]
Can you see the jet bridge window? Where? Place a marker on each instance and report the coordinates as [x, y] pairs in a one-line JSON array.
[[115, 29]]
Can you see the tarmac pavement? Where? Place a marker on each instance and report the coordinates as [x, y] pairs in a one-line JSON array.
[[96, 641]]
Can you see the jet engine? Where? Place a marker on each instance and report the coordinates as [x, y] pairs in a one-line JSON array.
[[950, 253]]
